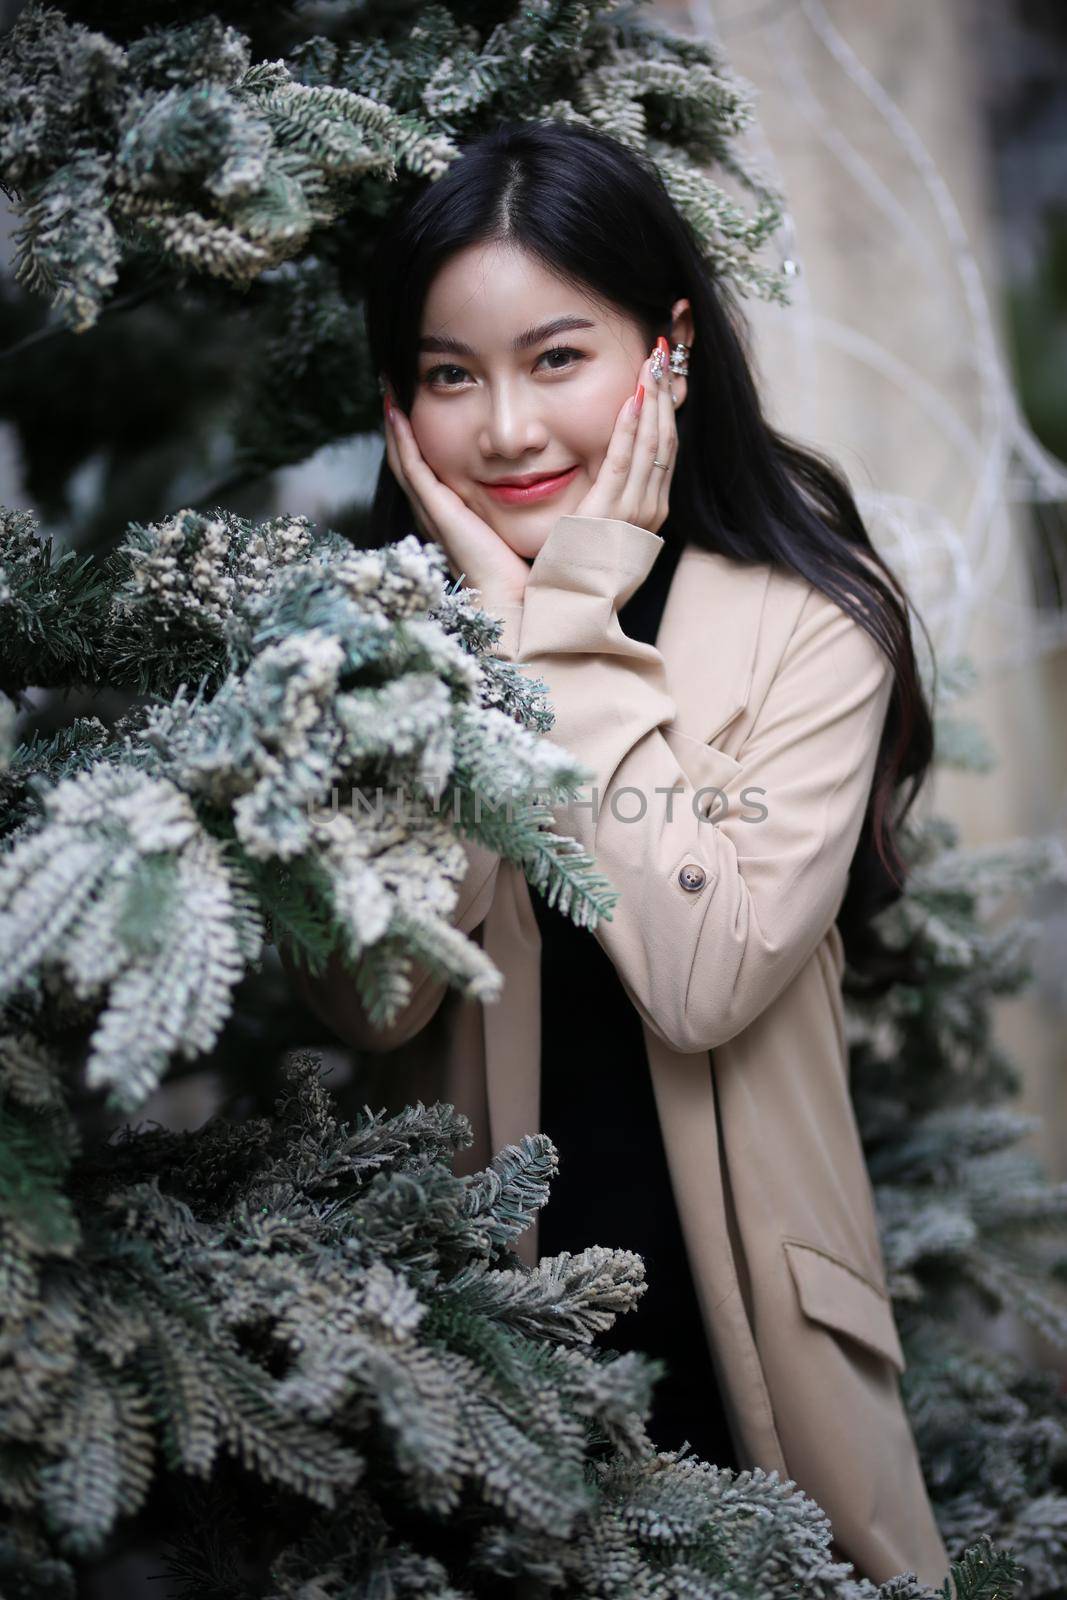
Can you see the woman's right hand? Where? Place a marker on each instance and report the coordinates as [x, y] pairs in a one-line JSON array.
[[475, 551]]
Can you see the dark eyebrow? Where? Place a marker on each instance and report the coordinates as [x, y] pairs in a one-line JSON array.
[[443, 344]]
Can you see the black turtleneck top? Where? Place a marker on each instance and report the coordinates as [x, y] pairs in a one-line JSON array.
[[598, 1107]]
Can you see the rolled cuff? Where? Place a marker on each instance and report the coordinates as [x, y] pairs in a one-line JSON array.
[[600, 558]]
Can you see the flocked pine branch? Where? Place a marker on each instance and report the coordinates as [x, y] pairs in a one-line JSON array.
[[142, 864], [178, 142], [329, 1304]]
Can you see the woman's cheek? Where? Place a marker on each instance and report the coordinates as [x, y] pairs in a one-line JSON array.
[[594, 446], [599, 417], [426, 431], [437, 446]]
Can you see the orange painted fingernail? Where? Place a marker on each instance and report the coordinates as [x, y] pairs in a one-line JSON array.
[[639, 399], [661, 344]]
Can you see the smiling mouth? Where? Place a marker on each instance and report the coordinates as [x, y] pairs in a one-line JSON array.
[[525, 483], [530, 493]]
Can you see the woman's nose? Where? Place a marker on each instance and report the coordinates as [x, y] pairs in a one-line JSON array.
[[512, 424]]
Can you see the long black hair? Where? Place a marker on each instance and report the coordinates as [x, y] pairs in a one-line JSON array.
[[598, 215]]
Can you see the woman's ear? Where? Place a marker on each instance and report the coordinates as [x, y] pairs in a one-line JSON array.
[[682, 332]]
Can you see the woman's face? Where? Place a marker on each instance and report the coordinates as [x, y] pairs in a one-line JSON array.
[[485, 410]]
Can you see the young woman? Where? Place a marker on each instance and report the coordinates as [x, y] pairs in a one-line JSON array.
[[571, 415]]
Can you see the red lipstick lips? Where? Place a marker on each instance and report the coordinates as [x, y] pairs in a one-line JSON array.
[[530, 487]]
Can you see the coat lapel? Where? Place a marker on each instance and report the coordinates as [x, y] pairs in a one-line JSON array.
[[708, 638]]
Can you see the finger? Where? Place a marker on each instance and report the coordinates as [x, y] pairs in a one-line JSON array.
[[394, 453], [666, 450], [618, 458], [434, 498], [392, 456], [638, 492]]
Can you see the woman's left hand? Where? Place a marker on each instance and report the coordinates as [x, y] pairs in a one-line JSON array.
[[629, 485]]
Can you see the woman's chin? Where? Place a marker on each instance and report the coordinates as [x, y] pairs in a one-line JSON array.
[[527, 531]]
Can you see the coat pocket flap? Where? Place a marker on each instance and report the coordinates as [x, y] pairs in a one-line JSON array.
[[839, 1297], [704, 766]]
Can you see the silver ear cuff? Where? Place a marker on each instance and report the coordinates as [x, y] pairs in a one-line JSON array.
[[679, 365], [679, 362]]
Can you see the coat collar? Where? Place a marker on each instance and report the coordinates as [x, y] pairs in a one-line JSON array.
[[708, 638]]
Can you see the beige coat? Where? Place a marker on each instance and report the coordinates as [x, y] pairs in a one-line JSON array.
[[760, 687]]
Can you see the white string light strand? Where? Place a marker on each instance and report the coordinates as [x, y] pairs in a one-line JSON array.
[[1004, 462]]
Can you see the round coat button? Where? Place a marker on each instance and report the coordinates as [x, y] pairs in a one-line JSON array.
[[692, 876]]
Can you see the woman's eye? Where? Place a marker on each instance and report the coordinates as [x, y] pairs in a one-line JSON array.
[[562, 350], [431, 375]]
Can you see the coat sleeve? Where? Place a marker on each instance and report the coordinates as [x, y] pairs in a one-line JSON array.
[[333, 996], [700, 965]]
